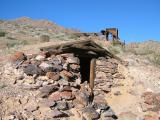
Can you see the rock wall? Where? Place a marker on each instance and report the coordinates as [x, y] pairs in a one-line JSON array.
[[105, 70], [55, 81]]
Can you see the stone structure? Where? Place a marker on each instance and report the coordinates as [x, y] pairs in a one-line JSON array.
[[60, 81], [110, 31]]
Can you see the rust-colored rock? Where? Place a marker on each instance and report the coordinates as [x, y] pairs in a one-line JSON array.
[[18, 56], [67, 88], [56, 96], [148, 98], [149, 117], [67, 95], [66, 75], [52, 75]]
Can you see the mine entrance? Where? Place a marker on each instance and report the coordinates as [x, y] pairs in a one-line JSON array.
[[85, 68]]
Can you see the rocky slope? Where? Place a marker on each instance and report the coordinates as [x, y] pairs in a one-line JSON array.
[[25, 30]]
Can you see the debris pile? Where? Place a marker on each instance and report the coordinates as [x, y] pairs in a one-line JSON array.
[[151, 102], [58, 86]]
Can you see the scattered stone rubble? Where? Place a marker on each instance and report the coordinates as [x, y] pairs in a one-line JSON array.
[[58, 87], [151, 104]]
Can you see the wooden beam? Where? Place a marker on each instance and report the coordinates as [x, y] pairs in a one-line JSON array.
[[92, 78], [68, 44]]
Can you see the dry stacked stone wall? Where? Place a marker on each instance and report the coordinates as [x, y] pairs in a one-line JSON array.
[[55, 81]]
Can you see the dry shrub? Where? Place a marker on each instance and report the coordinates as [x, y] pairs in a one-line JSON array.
[[44, 38]]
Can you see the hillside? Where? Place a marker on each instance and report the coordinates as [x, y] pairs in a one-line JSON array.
[[25, 31], [37, 85]]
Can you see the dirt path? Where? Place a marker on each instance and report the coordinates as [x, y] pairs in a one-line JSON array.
[[140, 77]]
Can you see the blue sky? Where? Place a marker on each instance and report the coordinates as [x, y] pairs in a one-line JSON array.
[[137, 20]]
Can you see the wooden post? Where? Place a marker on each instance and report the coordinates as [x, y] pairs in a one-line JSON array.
[[92, 77]]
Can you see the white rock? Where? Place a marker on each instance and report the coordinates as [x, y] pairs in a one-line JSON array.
[[44, 65], [43, 78], [78, 81], [65, 66], [45, 83], [149, 90], [74, 60], [40, 57]]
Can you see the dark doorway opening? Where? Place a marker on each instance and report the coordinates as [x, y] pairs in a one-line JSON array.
[[85, 68]]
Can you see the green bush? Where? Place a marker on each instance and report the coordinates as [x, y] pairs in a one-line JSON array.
[[2, 34]]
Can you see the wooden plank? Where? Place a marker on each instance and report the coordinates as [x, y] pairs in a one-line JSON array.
[[92, 74], [92, 78], [57, 46]]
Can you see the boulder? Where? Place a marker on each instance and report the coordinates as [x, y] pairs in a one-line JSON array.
[[40, 57], [90, 113], [62, 105], [57, 68], [18, 57], [54, 60], [56, 96], [33, 69], [67, 95], [66, 75], [46, 66]]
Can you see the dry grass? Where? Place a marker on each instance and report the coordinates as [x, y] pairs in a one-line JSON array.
[[149, 49]]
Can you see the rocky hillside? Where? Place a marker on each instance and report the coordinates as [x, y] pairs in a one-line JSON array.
[[25, 30], [45, 86]]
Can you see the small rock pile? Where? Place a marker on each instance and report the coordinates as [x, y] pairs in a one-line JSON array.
[[151, 102], [57, 82], [151, 105]]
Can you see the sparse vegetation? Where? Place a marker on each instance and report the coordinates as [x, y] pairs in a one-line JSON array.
[[155, 59], [149, 50], [44, 38], [2, 85], [16, 42], [26, 31], [9, 43], [116, 42], [73, 37], [115, 49], [2, 34]]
